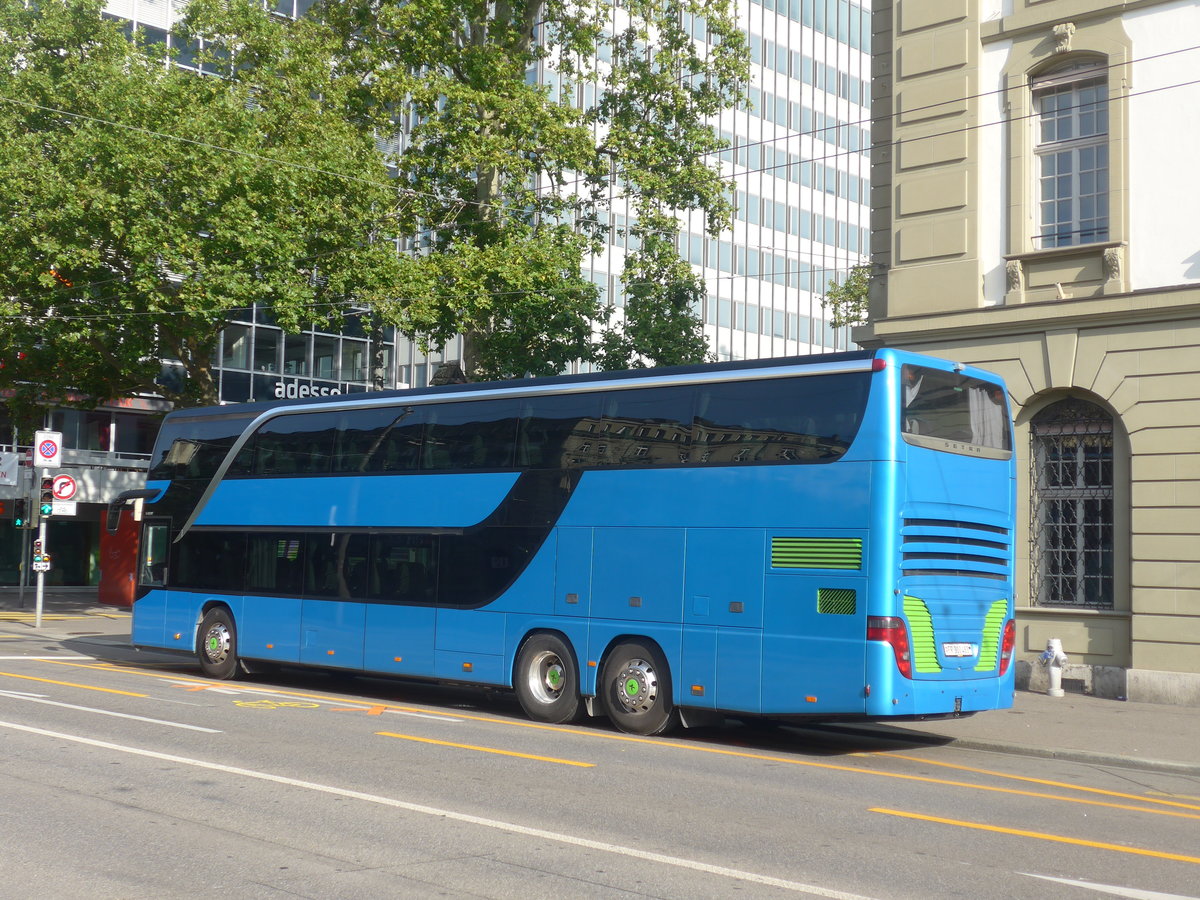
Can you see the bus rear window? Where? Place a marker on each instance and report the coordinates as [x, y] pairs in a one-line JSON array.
[[944, 409]]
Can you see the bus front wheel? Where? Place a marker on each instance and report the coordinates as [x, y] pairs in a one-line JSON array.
[[635, 688], [547, 680], [216, 644]]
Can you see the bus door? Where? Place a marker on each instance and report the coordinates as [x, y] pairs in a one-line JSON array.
[[333, 613], [150, 605]]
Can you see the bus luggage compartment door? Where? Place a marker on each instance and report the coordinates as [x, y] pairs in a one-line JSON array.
[[814, 644], [723, 615]]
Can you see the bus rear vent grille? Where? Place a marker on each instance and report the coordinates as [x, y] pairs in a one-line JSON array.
[[837, 601], [816, 553], [944, 547]]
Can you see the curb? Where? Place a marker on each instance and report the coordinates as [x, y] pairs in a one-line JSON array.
[[1091, 757]]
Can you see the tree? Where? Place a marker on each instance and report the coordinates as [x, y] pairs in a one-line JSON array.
[[141, 203], [514, 182], [847, 301]]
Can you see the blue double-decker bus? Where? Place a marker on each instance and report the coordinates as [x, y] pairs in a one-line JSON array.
[[826, 536]]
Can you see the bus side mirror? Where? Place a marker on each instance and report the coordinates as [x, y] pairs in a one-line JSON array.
[[136, 498]]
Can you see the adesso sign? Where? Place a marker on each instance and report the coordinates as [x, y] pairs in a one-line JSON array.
[[244, 387], [292, 390]]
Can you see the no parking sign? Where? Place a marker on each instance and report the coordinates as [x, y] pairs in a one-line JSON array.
[[47, 449]]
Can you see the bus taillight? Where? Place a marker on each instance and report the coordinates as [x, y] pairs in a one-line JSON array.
[[1007, 642], [893, 631]]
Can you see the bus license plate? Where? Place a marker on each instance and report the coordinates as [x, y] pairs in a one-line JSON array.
[[958, 649]]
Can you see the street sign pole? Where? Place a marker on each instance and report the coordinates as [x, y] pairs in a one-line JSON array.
[[47, 449], [41, 576]]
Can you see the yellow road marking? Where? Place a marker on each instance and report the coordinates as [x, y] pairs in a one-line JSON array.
[[423, 740], [1042, 836], [57, 617], [1141, 798], [1176, 796], [376, 710], [86, 687], [719, 751]]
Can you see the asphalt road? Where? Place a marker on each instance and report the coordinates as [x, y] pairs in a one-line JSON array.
[[137, 778]]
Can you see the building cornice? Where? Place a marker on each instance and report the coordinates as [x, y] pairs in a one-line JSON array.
[[1168, 304], [1032, 19]]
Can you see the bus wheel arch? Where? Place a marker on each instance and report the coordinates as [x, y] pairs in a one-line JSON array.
[[216, 642], [635, 687], [546, 678]]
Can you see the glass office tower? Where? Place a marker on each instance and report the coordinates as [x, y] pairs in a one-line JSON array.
[[797, 168]]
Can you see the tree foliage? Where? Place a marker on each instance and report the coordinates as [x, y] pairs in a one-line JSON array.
[[141, 203], [515, 182], [847, 301]]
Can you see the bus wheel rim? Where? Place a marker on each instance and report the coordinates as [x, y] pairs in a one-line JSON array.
[[546, 676], [216, 643], [637, 686]]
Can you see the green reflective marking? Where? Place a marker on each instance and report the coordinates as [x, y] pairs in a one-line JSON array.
[[993, 628], [631, 687], [924, 641]]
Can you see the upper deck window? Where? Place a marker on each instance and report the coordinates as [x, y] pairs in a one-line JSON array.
[[948, 411]]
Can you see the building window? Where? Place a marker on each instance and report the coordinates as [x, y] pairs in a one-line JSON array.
[[1071, 107], [1072, 506]]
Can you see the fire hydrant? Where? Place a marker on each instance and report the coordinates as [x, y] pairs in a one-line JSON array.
[[1054, 659]]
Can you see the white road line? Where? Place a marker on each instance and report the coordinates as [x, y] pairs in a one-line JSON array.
[[511, 828], [417, 715], [45, 657], [106, 712], [1131, 893]]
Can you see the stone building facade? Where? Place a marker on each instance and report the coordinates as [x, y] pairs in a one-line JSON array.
[[1033, 188]]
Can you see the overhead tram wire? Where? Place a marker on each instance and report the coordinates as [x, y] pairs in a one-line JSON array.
[[813, 133], [825, 157], [962, 129], [765, 141]]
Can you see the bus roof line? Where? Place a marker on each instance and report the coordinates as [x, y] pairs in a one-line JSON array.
[[541, 390]]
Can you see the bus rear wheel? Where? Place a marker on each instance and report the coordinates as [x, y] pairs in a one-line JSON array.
[[635, 688], [216, 644], [547, 680]]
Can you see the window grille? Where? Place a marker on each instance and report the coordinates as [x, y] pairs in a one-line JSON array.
[[1071, 532]]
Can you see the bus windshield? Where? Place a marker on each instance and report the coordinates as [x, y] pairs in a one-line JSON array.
[[949, 411]]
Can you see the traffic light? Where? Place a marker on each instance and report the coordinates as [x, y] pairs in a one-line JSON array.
[[47, 507], [20, 516]]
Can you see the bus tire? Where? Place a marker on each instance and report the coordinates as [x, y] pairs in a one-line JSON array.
[[546, 680], [216, 644], [635, 689]]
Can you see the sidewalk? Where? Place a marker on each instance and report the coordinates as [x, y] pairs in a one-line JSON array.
[[1075, 727]]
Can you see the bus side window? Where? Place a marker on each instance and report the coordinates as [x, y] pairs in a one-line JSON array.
[[546, 430]]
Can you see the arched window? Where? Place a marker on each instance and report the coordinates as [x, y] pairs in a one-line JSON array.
[[1072, 506], [1071, 145]]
